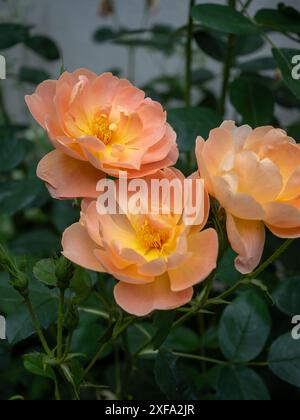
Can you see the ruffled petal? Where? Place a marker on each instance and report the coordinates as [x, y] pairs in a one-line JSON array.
[[247, 238], [141, 300], [203, 247], [67, 177]]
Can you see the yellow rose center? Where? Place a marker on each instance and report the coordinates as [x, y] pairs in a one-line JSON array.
[[152, 238], [103, 129]]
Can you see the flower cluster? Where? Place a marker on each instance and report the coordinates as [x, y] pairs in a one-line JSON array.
[[104, 126]]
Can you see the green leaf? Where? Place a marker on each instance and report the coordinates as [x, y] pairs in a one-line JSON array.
[[163, 321], [170, 377], [258, 64], [81, 284], [253, 100], [211, 44], [86, 339], [9, 297], [32, 75], [248, 44], [214, 44], [105, 34], [16, 195], [183, 339], [278, 21], [224, 19], [287, 296], [244, 328], [241, 384], [284, 359], [284, 58], [12, 153], [18, 320], [189, 123], [35, 364], [43, 46], [226, 271], [202, 76], [12, 34], [159, 37], [284, 97], [210, 338], [44, 271]]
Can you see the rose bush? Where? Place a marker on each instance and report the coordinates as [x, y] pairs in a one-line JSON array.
[[154, 304]]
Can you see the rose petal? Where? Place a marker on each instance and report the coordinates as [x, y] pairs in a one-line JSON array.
[[141, 300], [247, 239], [79, 248], [204, 249], [67, 177]]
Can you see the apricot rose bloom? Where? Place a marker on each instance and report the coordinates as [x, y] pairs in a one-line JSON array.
[[156, 258], [255, 176], [99, 124]]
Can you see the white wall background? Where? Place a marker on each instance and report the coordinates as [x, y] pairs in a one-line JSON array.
[[72, 23]]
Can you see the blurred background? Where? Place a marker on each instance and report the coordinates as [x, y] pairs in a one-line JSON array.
[[73, 25]]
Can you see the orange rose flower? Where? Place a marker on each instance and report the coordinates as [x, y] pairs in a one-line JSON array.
[[255, 176], [157, 258], [99, 124]]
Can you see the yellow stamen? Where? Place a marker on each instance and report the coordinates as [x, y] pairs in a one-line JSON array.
[[103, 129], [152, 238]]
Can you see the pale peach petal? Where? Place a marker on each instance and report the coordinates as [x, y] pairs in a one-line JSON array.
[[67, 177], [288, 233], [40, 104], [218, 151], [253, 142], [155, 268], [239, 134], [152, 114], [204, 249], [128, 275], [287, 158], [150, 168], [282, 214], [101, 92], [247, 238], [141, 300], [292, 189], [131, 256], [161, 149], [79, 248], [117, 228], [272, 140], [128, 98], [259, 178], [240, 204], [90, 219], [203, 170]]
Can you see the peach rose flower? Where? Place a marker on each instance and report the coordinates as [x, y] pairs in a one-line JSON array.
[[156, 258], [99, 124], [255, 176]]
